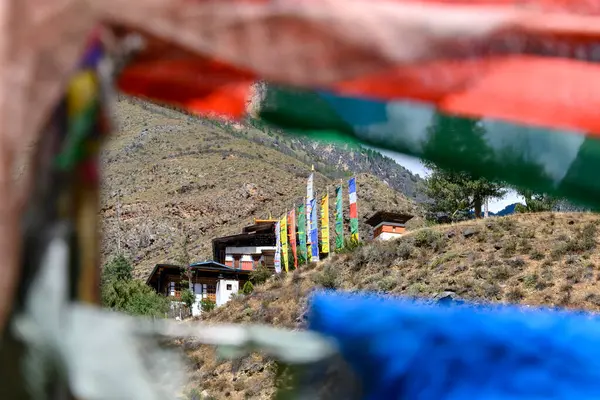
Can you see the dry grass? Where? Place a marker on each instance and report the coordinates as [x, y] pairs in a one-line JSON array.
[[430, 261]]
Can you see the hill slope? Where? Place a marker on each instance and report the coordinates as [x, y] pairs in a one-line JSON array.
[[164, 171], [537, 259]]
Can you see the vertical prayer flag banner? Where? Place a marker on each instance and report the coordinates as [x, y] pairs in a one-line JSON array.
[[309, 204], [339, 219], [277, 247], [284, 243], [325, 224], [302, 231], [314, 232], [292, 235], [353, 210]]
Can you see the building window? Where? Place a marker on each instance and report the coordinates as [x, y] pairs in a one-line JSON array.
[[211, 292], [268, 260], [174, 289], [228, 286]]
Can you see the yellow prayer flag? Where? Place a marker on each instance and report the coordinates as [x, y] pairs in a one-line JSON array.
[[325, 224], [284, 242]]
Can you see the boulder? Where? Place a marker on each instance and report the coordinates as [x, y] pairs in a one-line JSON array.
[[448, 298], [467, 233]]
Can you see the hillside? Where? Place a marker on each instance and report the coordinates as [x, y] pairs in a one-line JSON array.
[[508, 210], [165, 172], [537, 259]]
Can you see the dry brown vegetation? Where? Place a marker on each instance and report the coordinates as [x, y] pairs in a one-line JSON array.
[[537, 259]]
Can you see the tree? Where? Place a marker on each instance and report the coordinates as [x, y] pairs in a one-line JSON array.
[[291, 260], [134, 297], [188, 298], [452, 141], [301, 258], [535, 202], [563, 205], [120, 292], [207, 305], [184, 260], [260, 275], [456, 193], [248, 288], [118, 268]]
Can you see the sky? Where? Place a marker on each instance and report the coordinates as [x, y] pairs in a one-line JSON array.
[[415, 166]]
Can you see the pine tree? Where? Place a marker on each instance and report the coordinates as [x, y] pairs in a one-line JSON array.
[[456, 193], [535, 202], [453, 191], [120, 292]]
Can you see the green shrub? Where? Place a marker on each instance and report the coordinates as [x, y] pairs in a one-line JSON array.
[[546, 273], [387, 284], [575, 274], [416, 289], [587, 237], [510, 247], [514, 295], [349, 246], [404, 250], [443, 259], [517, 262], [492, 291], [560, 250], [527, 234], [328, 278], [248, 288], [526, 247], [207, 305], [429, 238], [196, 394], [187, 297], [593, 298], [537, 255], [382, 254], [120, 292], [585, 240], [260, 275], [118, 268], [301, 259], [500, 273], [506, 223], [531, 280], [351, 243], [291, 260], [571, 259], [134, 297]]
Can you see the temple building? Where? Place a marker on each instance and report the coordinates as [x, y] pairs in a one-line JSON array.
[[388, 225], [254, 246], [210, 280]]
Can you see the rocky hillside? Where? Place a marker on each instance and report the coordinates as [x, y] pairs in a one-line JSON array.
[[538, 259], [341, 160], [334, 158], [165, 172]]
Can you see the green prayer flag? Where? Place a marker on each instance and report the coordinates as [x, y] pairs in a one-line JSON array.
[[339, 219], [302, 232], [560, 163]]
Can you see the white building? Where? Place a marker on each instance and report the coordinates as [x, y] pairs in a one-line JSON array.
[[210, 280], [388, 225], [254, 246]]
